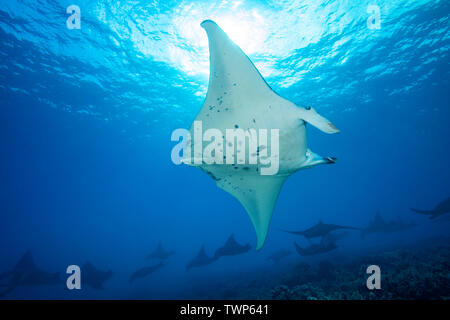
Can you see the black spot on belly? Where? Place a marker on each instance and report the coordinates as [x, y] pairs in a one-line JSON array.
[[212, 176]]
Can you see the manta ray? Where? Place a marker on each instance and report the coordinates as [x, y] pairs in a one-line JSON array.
[[239, 97], [231, 248], [160, 253], [319, 230], [200, 260], [441, 208], [26, 273], [93, 276], [379, 225]]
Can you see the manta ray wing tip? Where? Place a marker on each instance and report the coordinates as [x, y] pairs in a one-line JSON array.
[[205, 22], [260, 240], [333, 128]]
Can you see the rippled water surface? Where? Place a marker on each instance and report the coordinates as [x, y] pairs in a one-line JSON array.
[[146, 62]]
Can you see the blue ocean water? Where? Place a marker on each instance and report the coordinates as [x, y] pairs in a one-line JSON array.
[[86, 117]]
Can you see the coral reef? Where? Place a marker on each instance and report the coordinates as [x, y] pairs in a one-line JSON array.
[[406, 274], [417, 271]]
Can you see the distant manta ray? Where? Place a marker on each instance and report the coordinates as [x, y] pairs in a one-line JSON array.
[[239, 97], [200, 260], [379, 225], [94, 277], [160, 253], [441, 208], [231, 248], [319, 230], [26, 273]]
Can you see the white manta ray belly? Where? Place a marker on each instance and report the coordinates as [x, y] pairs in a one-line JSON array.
[[238, 98]]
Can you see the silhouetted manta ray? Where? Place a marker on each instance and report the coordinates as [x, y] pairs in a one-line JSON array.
[[231, 248], [378, 225], [319, 230], [26, 273], [239, 97], [200, 260], [144, 272], [160, 253], [277, 256], [94, 277], [441, 208]]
